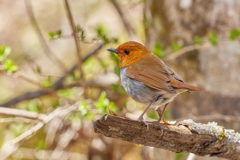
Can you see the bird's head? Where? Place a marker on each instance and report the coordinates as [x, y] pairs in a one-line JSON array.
[[130, 52]]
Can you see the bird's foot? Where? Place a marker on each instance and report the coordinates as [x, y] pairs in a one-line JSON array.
[[158, 123], [142, 120]]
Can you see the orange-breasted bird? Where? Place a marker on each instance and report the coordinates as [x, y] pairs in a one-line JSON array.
[[147, 79]]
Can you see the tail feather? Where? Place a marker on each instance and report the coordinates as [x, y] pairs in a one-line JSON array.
[[181, 85]]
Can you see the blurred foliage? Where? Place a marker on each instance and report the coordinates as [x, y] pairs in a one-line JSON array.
[[9, 66], [180, 155], [176, 46], [55, 35], [234, 34], [212, 38], [103, 104], [197, 40], [4, 52], [159, 51]]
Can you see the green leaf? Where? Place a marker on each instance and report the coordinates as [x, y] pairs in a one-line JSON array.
[[47, 82], [59, 33], [234, 34], [159, 51], [83, 108], [117, 64], [90, 116], [176, 46], [119, 89], [51, 35], [40, 144], [197, 40], [103, 104], [212, 38], [153, 114], [33, 105], [55, 35], [180, 155], [9, 66], [4, 52], [67, 93], [101, 32]]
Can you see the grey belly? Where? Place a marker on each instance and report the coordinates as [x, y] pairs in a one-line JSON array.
[[144, 94]]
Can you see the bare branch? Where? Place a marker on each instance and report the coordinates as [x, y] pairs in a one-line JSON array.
[[186, 50], [48, 52], [21, 75], [10, 146], [15, 119], [56, 86], [187, 136], [72, 24], [22, 113], [125, 21]]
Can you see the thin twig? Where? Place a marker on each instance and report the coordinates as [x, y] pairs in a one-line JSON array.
[[24, 77], [14, 144], [22, 113], [47, 50], [186, 50], [56, 86], [15, 119], [72, 24], [125, 21]]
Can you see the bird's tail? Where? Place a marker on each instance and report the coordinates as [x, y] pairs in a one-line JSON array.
[[181, 85]]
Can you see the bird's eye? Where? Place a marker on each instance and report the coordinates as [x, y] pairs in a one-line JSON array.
[[126, 51]]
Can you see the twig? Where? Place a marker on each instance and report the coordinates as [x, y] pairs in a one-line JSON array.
[[15, 119], [48, 52], [27, 153], [21, 75], [125, 21], [187, 136], [56, 86], [186, 50], [72, 24], [22, 113], [14, 144]]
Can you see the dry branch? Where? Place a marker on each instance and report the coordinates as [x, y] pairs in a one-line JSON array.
[[72, 24], [56, 86], [188, 136], [47, 50]]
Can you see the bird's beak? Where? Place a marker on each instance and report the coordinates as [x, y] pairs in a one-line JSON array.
[[113, 50]]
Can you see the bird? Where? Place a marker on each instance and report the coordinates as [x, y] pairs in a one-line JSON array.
[[147, 79]]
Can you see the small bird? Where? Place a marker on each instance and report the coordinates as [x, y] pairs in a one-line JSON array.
[[147, 79]]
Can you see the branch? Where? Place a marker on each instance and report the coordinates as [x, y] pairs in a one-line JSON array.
[[187, 136], [125, 21], [186, 50], [56, 86], [22, 113], [40, 36], [10, 146], [72, 24]]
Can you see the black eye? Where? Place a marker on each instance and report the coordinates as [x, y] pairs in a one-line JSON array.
[[126, 51]]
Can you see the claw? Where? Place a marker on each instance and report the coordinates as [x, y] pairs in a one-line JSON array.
[[159, 126], [142, 120], [111, 112]]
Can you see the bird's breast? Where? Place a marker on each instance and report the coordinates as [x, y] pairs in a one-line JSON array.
[[142, 93]]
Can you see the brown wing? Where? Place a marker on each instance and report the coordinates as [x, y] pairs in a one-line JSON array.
[[153, 72]]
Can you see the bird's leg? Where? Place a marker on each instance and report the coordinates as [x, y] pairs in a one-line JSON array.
[[160, 113], [140, 118]]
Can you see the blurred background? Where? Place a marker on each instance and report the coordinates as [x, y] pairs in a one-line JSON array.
[[40, 70]]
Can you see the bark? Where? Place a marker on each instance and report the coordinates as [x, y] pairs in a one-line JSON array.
[[187, 136]]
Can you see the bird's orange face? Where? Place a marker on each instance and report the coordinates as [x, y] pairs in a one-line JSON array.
[[130, 52]]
